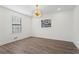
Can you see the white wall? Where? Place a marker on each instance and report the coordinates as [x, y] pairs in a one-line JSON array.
[[62, 25], [76, 26], [6, 27]]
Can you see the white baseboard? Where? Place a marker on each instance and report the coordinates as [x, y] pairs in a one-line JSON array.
[[10, 41]]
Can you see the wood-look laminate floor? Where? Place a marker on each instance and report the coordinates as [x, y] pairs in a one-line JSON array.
[[34, 45]]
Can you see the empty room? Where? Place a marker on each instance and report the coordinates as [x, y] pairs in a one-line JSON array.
[[39, 29]]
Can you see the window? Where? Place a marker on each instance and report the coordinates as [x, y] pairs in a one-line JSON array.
[[16, 24]]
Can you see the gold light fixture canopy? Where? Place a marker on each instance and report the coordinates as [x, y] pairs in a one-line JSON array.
[[37, 11]]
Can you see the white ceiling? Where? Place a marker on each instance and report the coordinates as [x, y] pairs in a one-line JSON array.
[[45, 9]]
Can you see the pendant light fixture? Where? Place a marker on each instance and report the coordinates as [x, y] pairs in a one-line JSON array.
[[37, 11]]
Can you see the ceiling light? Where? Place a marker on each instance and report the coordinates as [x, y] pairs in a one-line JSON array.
[[37, 11], [58, 9]]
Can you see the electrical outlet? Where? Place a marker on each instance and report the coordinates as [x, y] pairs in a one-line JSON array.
[[15, 37]]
